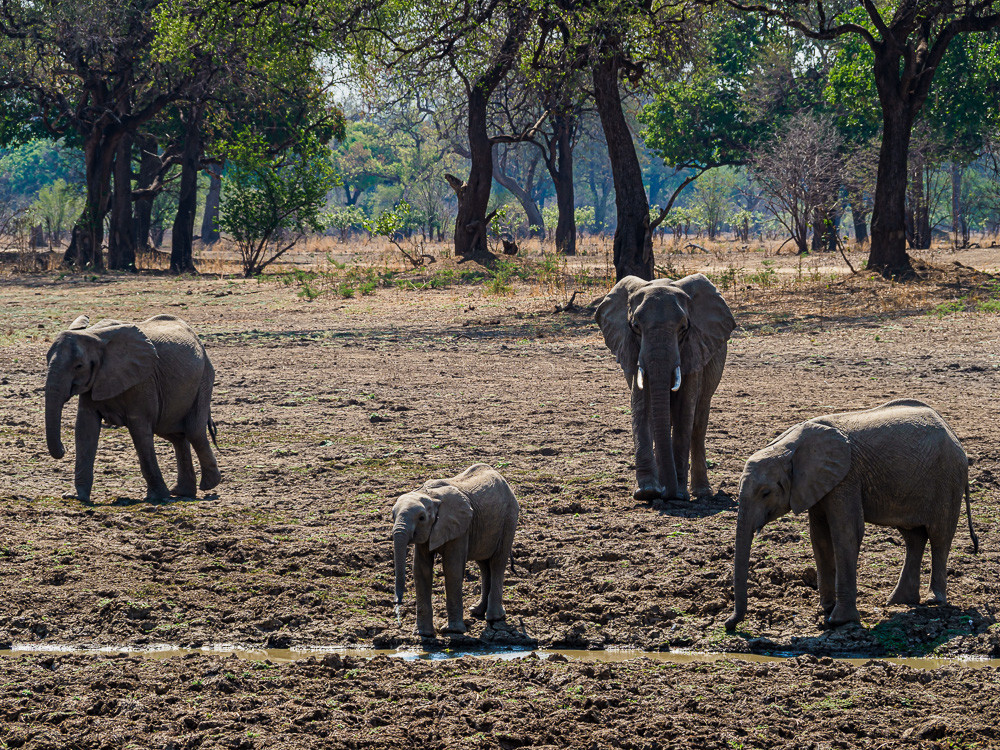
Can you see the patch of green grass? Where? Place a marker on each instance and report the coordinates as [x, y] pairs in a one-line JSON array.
[[345, 289], [501, 281]]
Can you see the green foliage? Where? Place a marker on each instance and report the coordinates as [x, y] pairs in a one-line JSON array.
[[56, 205], [269, 201], [500, 282], [27, 169]]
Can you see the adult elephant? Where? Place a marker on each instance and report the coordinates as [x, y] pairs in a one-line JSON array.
[[153, 378], [670, 338]]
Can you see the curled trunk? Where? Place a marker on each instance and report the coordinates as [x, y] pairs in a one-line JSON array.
[[53, 423], [400, 547]]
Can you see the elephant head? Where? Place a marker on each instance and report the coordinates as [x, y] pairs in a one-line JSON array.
[[104, 360], [432, 515], [793, 473], [661, 331]]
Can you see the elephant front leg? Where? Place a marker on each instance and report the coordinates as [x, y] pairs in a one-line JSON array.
[[484, 598], [846, 537], [423, 575], [142, 439], [907, 589], [88, 432], [645, 466], [683, 408], [822, 544], [453, 560]]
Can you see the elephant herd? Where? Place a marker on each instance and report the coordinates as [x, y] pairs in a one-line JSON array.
[[896, 465]]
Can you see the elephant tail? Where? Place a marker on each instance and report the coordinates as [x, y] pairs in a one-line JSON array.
[[212, 433], [968, 514]]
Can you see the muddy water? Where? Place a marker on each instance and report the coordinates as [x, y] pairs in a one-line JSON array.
[[283, 656]]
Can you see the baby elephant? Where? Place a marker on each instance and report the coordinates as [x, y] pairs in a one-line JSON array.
[[894, 465], [468, 517], [153, 377]]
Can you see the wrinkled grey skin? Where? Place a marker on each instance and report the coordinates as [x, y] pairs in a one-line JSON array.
[[895, 465], [660, 331], [468, 517], [153, 378]]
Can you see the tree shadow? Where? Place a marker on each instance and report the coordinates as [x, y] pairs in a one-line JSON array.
[[125, 502]]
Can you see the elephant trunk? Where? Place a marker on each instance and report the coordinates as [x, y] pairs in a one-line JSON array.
[[400, 547], [741, 566], [660, 368], [53, 421]]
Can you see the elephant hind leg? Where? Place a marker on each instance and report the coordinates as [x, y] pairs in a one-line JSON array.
[[196, 429], [479, 611], [186, 481], [940, 548], [908, 588], [210, 474]]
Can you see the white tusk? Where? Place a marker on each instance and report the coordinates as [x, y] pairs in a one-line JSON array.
[[677, 378], [640, 377]]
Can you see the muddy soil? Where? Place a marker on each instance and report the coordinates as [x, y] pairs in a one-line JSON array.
[[327, 410], [333, 702]]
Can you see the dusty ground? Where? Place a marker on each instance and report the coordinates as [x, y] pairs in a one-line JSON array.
[[80, 702], [328, 409]]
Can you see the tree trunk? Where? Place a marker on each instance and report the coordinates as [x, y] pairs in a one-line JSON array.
[[559, 162], [210, 221], [858, 218], [84, 249], [523, 196], [149, 165], [633, 244], [956, 202], [121, 239], [888, 255], [181, 260], [474, 197]]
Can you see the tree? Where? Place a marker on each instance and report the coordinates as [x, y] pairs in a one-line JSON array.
[[800, 174], [269, 201], [365, 158], [908, 42]]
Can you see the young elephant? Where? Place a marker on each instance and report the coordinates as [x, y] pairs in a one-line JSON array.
[[468, 517], [153, 377], [894, 465]]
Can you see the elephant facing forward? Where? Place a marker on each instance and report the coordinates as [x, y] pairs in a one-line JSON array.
[[468, 517], [153, 378], [895, 465], [670, 338]]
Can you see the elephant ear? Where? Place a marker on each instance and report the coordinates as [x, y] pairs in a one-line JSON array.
[[80, 323], [612, 317], [454, 514], [710, 322], [821, 458], [129, 358]]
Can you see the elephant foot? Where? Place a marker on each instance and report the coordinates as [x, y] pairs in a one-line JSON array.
[[425, 632], [496, 615], [938, 597], [732, 622], [647, 493], [157, 494], [842, 615], [679, 495], [906, 598], [827, 607], [185, 491], [703, 493], [454, 628], [210, 479], [478, 611]]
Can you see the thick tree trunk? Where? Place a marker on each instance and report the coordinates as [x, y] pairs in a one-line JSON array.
[[210, 221], [474, 197], [181, 260], [562, 179], [84, 249], [149, 164], [121, 239], [888, 254], [633, 244]]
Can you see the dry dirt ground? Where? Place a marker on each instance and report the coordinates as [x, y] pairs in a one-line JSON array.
[[328, 407]]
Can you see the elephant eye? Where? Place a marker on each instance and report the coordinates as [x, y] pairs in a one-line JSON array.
[[423, 516], [765, 493], [78, 366]]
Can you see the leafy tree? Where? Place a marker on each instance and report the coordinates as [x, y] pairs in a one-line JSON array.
[[57, 203], [908, 42], [365, 158], [26, 169], [269, 201]]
